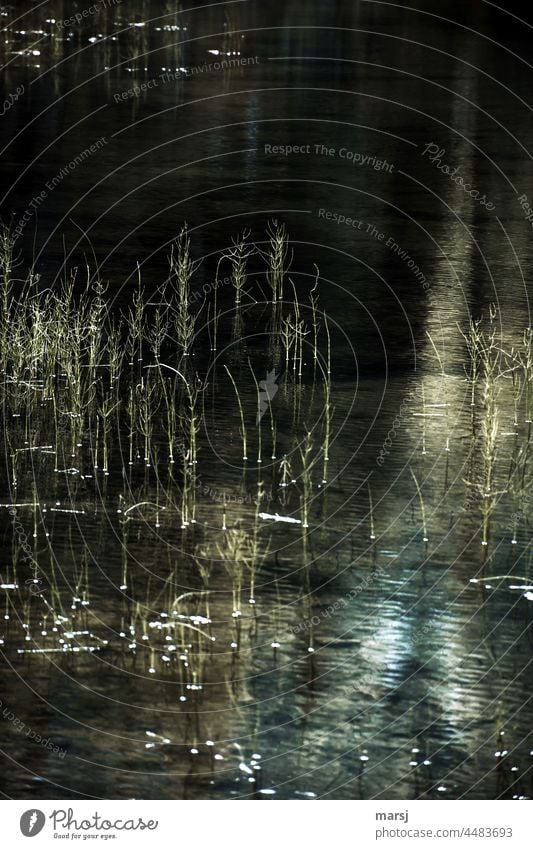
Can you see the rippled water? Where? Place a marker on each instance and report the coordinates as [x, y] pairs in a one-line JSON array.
[[419, 677]]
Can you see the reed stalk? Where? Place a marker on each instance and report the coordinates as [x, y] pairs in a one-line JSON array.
[[277, 259], [422, 507], [371, 513], [474, 345], [241, 413], [182, 268], [238, 256]]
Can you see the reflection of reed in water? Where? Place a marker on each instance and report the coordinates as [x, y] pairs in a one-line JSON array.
[[115, 406]]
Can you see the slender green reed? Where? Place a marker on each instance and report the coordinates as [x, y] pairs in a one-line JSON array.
[[277, 254], [238, 255], [422, 507], [241, 412], [371, 513], [182, 268]]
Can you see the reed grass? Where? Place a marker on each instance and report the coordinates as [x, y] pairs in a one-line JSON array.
[[238, 255], [313, 299], [71, 368], [489, 373], [237, 552], [422, 507], [107, 406], [241, 413], [288, 339], [474, 344], [371, 513], [307, 463], [146, 405], [277, 256], [182, 268]]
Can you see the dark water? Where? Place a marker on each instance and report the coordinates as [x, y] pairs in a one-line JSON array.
[[418, 675]]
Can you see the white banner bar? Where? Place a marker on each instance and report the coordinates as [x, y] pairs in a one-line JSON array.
[[356, 824]]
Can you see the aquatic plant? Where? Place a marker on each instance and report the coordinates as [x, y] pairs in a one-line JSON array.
[[7, 245], [106, 408], [238, 552], [182, 268], [145, 406], [371, 513], [488, 377], [474, 344], [238, 255], [241, 413], [277, 253], [422, 507]]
